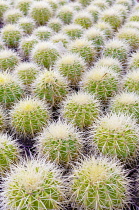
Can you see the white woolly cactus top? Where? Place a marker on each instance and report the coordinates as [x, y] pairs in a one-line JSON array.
[[134, 58], [5, 140], [126, 98], [26, 20], [64, 9], [7, 78], [26, 65], [7, 53], [79, 43], [42, 29], [72, 26], [83, 14], [116, 43], [43, 46], [134, 75], [11, 27], [92, 32], [111, 12], [39, 5], [70, 59], [11, 12], [108, 61]]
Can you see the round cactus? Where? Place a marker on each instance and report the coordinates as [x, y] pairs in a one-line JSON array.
[[27, 44], [59, 142], [134, 61], [73, 31], [43, 33], [45, 54], [132, 24], [38, 186], [71, 66], [101, 81], [99, 183], [126, 102], [4, 6], [94, 11], [9, 152], [50, 86], [65, 14], [84, 48], [27, 72], [3, 119], [131, 81], [53, 3], [23, 5], [130, 35], [2, 47], [12, 16], [55, 24], [81, 108], [29, 116], [40, 12], [84, 19], [61, 38], [76, 6], [134, 17], [103, 5], [126, 3], [105, 28], [26, 24], [122, 10], [84, 2], [10, 89], [117, 135], [111, 63], [11, 35], [116, 49], [8, 59]]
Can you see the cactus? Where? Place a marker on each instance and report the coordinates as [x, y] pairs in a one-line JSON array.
[[2, 47], [45, 54], [3, 119], [84, 19], [75, 5], [126, 3], [50, 86], [10, 89], [55, 24], [122, 9], [59, 142], [43, 33], [116, 49], [26, 24], [71, 66], [84, 48], [61, 38], [53, 3], [65, 14], [40, 12], [101, 4], [100, 183], [134, 17], [9, 152], [130, 35], [11, 35], [101, 81], [81, 108], [111, 63], [94, 11], [23, 5], [38, 185], [27, 44], [73, 31], [8, 59], [117, 135], [134, 61], [3, 8], [12, 16], [126, 102], [27, 72], [29, 116], [132, 24], [84, 2], [105, 28]]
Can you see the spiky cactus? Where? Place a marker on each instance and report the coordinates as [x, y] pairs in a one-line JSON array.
[[43, 33], [38, 186], [134, 61], [84, 2], [81, 108], [12, 16], [132, 24], [101, 81], [11, 35], [29, 116], [65, 14], [94, 11], [117, 135], [23, 5], [45, 54], [105, 28], [103, 5], [3, 119], [122, 10], [9, 152], [4, 6], [26, 24], [50, 86], [55, 24], [84, 19], [71, 66], [126, 3], [8, 59], [60, 39], [99, 183], [59, 142], [73, 31]]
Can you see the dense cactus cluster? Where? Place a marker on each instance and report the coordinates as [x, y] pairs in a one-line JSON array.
[[69, 104]]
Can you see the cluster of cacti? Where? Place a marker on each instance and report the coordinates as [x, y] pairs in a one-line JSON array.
[[69, 104]]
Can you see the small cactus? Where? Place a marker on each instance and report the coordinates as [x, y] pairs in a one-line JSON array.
[[12, 16], [50, 86], [23, 5], [117, 135], [132, 24], [59, 142], [105, 28], [55, 24], [73, 31], [101, 81], [38, 186], [84, 19], [99, 183], [134, 17], [45, 54], [9, 152], [94, 11], [4, 6], [3, 119], [61, 38], [65, 14], [127, 3], [29, 116], [26, 24], [134, 61], [43, 33], [103, 5], [84, 2], [81, 108]]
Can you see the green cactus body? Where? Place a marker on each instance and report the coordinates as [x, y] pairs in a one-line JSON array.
[[85, 2], [103, 5], [23, 5], [59, 142], [60, 38], [40, 12], [134, 61], [73, 31], [134, 17], [94, 11], [3, 8], [116, 49], [8, 59], [43, 33], [126, 102], [12, 16], [71, 66], [29, 116], [132, 24], [50, 86], [3, 119], [99, 183], [9, 152], [36, 184], [105, 28], [10, 89], [27, 72], [65, 14], [82, 109], [117, 135], [26, 24], [11, 35], [84, 19], [55, 24], [84, 48], [53, 3], [101, 81], [45, 54]]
